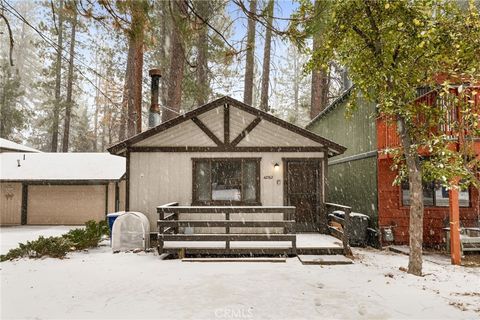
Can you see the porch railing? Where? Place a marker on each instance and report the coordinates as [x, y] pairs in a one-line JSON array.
[[173, 217], [343, 233]]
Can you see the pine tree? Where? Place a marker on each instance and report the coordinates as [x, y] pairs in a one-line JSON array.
[[249, 60], [266, 56], [58, 78], [12, 117], [177, 61], [69, 102], [320, 78]]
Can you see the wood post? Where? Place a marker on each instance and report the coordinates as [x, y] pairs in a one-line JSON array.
[[454, 226], [24, 213], [346, 230], [160, 233], [227, 230]]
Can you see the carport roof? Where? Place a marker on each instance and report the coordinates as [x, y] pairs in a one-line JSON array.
[[68, 167]]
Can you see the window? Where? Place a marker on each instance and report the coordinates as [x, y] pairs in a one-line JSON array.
[[435, 195], [226, 181]]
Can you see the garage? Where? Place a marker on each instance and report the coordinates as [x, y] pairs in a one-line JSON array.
[[59, 188]]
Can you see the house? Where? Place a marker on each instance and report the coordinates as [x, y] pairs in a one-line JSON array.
[[226, 153], [59, 188], [10, 146], [363, 178]]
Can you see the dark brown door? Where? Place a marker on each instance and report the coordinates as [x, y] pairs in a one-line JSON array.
[[303, 190]]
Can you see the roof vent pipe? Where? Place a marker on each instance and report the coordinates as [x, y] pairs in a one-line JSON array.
[[154, 112]]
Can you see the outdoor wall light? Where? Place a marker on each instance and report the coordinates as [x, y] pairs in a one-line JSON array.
[[276, 166]]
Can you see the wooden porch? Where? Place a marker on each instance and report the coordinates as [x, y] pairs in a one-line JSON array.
[[238, 230]]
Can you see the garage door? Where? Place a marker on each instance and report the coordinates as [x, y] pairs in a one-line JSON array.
[[65, 204]]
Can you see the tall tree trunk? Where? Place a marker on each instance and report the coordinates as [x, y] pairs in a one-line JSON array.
[[98, 83], [127, 98], [163, 53], [58, 80], [202, 57], [416, 199], [319, 93], [249, 60], [69, 102], [136, 37], [266, 58], [177, 62], [296, 86], [137, 86]]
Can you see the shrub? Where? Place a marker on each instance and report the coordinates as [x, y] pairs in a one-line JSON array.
[[55, 247], [58, 247], [88, 237]]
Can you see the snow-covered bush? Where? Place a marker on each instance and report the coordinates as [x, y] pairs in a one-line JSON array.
[[58, 247], [88, 237]]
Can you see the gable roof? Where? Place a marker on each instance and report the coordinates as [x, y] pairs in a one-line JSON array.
[[332, 106], [46, 166], [10, 146], [248, 120]]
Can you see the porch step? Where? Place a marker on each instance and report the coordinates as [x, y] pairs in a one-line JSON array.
[[324, 259], [319, 251], [225, 259]]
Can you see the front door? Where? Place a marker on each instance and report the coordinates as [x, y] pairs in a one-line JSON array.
[[303, 189]]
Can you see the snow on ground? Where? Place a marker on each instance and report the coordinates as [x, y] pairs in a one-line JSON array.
[[11, 236], [99, 284]]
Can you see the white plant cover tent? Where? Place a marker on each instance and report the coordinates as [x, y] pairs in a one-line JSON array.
[[130, 231]]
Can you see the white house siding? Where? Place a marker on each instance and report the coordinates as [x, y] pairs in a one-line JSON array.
[[10, 203], [239, 120], [265, 134], [213, 119], [179, 135], [158, 178]]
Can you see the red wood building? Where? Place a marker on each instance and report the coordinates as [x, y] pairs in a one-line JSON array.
[[393, 209]]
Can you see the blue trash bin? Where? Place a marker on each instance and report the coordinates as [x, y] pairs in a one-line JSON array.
[[111, 217]]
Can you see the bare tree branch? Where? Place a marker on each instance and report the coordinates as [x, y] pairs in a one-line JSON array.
[[10, 35], [261, 18], [205, 21]]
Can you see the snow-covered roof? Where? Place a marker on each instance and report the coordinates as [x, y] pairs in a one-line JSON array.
[[10, 146], [16, 166]]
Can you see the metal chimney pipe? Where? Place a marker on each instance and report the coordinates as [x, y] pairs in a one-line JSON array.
[[154, 112]]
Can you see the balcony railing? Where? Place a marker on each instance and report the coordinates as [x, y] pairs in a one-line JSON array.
[[387, 128]]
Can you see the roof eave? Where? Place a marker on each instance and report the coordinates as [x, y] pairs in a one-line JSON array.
[[332, 106], [122, 146]]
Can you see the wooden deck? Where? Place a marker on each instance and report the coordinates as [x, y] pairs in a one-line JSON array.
[[238, 230], [307, 243]]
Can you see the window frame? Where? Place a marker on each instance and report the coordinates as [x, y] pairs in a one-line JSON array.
[[432, 186], [242, 160]]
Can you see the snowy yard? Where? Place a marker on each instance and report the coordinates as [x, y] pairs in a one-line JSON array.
[[99, 284]]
